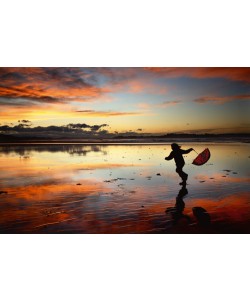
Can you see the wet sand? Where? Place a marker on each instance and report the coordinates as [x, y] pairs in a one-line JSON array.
[[122, 189]]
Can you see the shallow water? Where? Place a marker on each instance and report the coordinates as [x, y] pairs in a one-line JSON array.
[[122, 189]]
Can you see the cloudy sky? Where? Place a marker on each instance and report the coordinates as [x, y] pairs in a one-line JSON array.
[[149, 100]]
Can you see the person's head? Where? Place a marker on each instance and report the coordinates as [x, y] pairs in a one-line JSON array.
[[175, 146]]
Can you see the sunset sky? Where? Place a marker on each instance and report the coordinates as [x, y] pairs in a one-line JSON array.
[[147, 100]]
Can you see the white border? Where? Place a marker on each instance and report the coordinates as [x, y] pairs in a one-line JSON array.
[[124, 33]]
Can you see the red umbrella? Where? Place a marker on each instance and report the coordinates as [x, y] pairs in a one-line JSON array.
[[202, 158]]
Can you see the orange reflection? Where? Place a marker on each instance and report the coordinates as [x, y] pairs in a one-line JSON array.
[[35, 206], [52, 192]]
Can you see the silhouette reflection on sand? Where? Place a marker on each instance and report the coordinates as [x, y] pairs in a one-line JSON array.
[[177, 211], [201, 215]]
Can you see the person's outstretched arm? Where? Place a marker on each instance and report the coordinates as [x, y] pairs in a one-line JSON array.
[[171, 156], [186, 151]]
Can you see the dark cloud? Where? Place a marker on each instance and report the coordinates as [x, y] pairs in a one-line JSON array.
[[18, 102], [116, 74], [24, 121], [48, 84], [84, 126], [97, 127], [78, 126], [7, 75], [69, 131], [72, 77], [79, 130]]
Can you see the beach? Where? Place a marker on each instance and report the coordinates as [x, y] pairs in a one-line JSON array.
[[123, 188]]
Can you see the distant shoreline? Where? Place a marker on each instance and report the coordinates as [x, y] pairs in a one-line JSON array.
[[149, 139], [123, 141]]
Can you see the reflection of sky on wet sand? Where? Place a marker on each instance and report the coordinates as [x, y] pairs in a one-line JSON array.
[[116, 189]]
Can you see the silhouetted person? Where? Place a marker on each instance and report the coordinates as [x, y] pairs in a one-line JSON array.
[[176, 153], [177, 211]]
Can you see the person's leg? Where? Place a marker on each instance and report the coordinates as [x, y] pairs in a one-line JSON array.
[[179, 171], [182, 174]]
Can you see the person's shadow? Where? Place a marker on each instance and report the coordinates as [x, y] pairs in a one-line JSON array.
[[177, 211], [201, 215]]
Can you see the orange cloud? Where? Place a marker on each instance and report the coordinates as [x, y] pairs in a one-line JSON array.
[[50, 85], [136, 85], [169, 103], [236, 74], [144, 105], [42, 93], [221, 100], [147, 87], [147, 106], [95, 113]]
